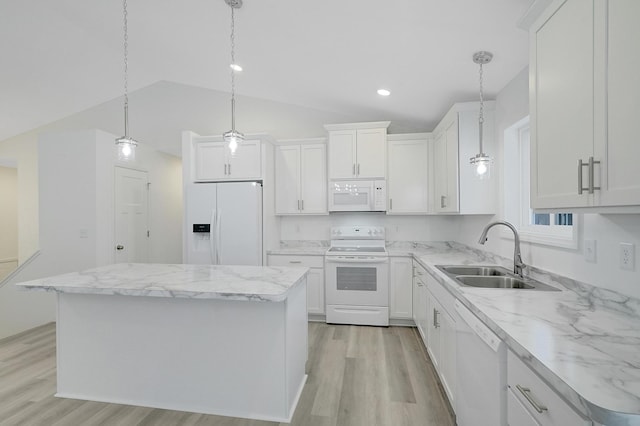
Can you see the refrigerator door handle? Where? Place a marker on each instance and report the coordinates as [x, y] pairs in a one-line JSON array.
[[212, 228], [218, 241]]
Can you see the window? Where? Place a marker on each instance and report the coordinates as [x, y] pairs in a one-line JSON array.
[[557, 229]]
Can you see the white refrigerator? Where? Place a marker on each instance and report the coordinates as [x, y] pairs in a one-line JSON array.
[[223, 223]]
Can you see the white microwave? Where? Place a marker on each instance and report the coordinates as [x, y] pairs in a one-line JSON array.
[[357, 196]]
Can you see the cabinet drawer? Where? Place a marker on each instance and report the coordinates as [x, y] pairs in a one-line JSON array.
[[291, 260], [540, 400], [517, 414]]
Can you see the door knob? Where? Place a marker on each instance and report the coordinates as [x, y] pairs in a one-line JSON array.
[[119, 247]]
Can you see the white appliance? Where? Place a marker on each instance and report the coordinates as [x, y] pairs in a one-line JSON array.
[[223, 223], [357, 195], [481, 376], [357, 276]]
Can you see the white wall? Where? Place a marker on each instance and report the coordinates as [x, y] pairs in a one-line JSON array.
[[398, 228], [76, 188], [8, 212], [607, 230]]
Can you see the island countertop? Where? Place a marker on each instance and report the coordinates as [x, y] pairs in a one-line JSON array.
[[237, 282]]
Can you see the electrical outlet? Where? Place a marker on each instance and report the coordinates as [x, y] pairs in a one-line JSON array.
[[590, 251], [627, 256]]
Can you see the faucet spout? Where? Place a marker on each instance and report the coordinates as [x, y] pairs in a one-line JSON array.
[[518, 264]]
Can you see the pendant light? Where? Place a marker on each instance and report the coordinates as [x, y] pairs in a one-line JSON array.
[[126, 145], [233, 137], [481, 162]]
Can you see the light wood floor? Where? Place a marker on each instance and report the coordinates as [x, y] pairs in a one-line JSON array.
[[357, 376]]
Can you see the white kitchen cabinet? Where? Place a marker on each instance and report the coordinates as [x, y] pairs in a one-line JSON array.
[[408, 173], [357, 150], [315, 278], [214, 162], [456, 188], [584, 104], [400, 288], [530, 401], [301, 179]]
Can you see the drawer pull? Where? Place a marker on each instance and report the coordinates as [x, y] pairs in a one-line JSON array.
[[526, 392], [295, 261]]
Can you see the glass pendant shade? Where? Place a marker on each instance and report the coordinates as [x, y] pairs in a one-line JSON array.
[[233, 138], [482, 165], [126, 148]]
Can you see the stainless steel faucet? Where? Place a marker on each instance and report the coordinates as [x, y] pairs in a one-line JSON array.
[[518, 264]]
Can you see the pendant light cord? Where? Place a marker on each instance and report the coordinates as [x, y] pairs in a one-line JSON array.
[[126, 70], [481, 116], [233, 72]]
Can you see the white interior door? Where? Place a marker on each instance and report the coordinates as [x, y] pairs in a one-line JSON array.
[[131, 216]]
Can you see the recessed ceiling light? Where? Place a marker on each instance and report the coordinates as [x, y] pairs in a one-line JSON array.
[[235, 67], [383, 92]]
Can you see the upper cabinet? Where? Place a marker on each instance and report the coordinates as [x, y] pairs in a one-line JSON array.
[[584, 95], [214, 162], [408, 173], [456, 189], [301, 177], [358, 150]]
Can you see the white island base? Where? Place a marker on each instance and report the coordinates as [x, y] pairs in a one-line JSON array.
[[237, 358]]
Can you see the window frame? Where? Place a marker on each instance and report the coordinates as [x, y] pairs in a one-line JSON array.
[[562, 236]]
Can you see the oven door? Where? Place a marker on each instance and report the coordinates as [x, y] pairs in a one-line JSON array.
[[357, 280]]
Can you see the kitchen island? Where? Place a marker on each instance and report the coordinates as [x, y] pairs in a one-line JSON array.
[[226, 340]]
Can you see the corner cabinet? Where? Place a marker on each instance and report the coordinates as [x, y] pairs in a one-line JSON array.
[[315, 278], [358, 150], [456, 140], [301, 177], [213, 161], [584, 102], [408, 173]]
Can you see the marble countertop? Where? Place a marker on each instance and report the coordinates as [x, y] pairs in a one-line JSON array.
[[254, 283], [584, 341]]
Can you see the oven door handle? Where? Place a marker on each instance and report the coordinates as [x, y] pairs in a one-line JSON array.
[[356, 260]]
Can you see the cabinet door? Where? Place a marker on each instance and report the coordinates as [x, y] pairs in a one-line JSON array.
[[371, 153], [445, 162], [342, 154], [447, 363], [433, 323], [617, 151], [517, 414], [210, 161], [287, 179], [313, 181], [315, 291], [408, 184], [562, 102], [400, 291], [245, 164]]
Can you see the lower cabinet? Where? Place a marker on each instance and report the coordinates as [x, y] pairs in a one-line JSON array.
[[433, 308], [315, 278], [400, 288], [530, 401]]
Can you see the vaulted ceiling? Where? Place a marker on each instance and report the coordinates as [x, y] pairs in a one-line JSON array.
[[65, 56]]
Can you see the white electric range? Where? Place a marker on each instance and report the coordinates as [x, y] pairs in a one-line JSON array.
[[357, 276]]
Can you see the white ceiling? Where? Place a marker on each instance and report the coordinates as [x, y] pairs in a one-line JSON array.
[[61, 57]]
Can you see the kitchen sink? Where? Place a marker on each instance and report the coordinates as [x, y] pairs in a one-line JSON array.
[[491, 277], [475, 270]]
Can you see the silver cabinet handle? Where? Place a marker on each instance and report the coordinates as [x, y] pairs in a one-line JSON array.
[[229, 168], [353, 169], [390, 203], [298, 204], [295, 261], [436, 324], [358, 169], [526, 392], [302, 204], [592, 175], [119, 247], [580, 166], [225, 169], [443, 204]]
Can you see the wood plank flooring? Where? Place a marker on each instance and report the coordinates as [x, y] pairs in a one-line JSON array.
[[357, 376]]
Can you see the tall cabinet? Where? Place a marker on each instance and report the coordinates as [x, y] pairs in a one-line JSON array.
[[584, 98]]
